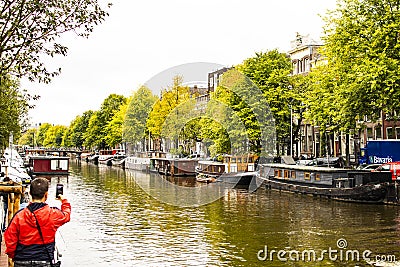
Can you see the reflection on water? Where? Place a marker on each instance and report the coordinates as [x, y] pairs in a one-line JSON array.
[[115, 223]]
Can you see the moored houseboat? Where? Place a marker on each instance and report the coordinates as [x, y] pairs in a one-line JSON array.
[[156, 158], [238, 169], [177, 166], [334, 183], [49, 165], [140, 161], [183, 167]]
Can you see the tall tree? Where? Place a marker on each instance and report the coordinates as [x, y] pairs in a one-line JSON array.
[[362, 75], [270, 71], [14, 106], [73, 137], [41, 133], [30, 29], [170, 99], [114, 127], [134, 127], [93, 132], [79, 129], [54, 136], [28, 138], [96, 132]]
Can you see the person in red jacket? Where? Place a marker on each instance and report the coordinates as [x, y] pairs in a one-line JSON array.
[[24, 243]]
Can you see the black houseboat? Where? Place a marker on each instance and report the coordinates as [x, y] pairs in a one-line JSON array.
[[341, 184]]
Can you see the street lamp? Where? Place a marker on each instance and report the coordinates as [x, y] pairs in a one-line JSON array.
[[291, 130], [327, 147], [291, 124]]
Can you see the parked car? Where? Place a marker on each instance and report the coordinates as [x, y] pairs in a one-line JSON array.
[[393, 167], [368, 167]]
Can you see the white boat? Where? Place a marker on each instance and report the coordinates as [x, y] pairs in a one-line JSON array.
[[14, 168], [105, 159], [138, 162], [118, 160], [18, 175], [13, 158]]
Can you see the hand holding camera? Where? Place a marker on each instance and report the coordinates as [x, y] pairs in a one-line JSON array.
[[59, 191]]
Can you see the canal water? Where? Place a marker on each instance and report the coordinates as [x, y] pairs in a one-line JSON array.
[[116, 223]]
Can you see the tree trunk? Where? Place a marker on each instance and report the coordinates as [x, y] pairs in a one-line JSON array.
[[347, 150]]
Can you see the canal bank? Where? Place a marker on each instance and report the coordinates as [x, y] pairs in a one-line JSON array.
[[115, 223]]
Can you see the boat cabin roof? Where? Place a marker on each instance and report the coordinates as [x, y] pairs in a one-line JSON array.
[[304, 168]]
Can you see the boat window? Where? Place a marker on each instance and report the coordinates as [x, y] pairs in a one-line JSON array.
[[293, 175], [317, 177], [286, 174], [307, 176], [233, 160], [385, 167], [239, 160]]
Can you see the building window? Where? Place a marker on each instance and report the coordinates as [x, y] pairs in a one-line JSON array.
[[378, 132], [397, 133], [370, 134], [389, 133], [211, 82], [307, 64]]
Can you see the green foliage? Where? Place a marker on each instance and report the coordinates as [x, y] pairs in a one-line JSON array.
[[54, 136], [41, 133], [170, 99], [13, 109], [93, 131], [362, 75], [270, 71], [96, 132], [134, 126], [214, 136], [30, 29], [28, 138], [114, 127], [229, 94], [74, 136]]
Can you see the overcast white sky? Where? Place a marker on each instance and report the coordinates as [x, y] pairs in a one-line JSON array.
[[143, 38]]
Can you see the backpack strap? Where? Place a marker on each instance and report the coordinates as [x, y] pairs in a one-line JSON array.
[[41, 235]]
